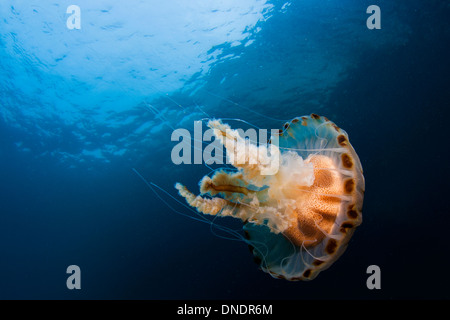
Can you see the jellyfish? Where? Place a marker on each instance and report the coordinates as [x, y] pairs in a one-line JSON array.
[[298, 219]]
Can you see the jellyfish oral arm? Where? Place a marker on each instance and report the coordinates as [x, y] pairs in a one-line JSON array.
[[256, 161], [274, 198], [272, 217], [203, 205]]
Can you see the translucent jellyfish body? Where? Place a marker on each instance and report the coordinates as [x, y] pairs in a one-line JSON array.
[[300, 199]]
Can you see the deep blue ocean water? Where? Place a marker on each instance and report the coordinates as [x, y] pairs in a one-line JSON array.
[[79, 109]]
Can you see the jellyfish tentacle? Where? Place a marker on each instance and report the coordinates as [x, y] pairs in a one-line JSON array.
[[234, 235], [327, 234], [321, 258], [241, 106]]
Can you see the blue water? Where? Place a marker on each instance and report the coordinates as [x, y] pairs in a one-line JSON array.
[[79, 109]]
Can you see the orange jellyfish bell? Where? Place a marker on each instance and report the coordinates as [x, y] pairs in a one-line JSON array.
[[300, 198]]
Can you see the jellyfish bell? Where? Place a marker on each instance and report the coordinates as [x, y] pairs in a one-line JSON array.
[[299, 218]]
